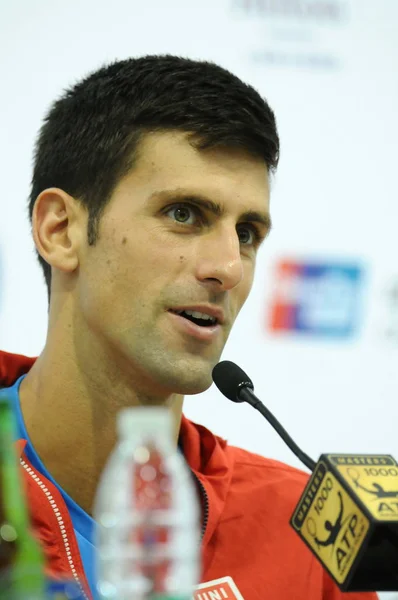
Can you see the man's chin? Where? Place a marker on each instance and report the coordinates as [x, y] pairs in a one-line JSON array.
[[179, 372], [191, 385], [191, 379], [196, 389]]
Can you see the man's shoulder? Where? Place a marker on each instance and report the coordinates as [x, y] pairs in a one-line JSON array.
[[263, 471], [266, 490]]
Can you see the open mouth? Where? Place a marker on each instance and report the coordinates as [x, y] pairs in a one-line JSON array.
[[196, 317]]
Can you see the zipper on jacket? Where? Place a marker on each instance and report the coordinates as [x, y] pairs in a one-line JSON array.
[[61, 525], [65, 539], [206, 506]]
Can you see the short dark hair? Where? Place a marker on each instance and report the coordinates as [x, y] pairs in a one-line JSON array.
[[89, 137]]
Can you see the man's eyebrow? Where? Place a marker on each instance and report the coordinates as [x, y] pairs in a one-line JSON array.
[[180, 195]]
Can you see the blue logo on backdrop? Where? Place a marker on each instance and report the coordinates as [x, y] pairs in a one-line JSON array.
[[317, 298]]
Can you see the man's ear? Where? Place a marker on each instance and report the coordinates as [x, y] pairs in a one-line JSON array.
[[57, 224]]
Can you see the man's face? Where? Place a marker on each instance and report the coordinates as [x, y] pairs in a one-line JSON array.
[[161, 250]]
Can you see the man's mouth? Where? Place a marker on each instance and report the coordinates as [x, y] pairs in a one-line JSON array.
[[199, 318]]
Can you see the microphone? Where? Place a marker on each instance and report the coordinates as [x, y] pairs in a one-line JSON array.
[[348, 512], [233, 382]]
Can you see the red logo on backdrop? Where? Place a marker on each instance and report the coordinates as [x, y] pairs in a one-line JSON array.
[[218, 589], [286, 295]]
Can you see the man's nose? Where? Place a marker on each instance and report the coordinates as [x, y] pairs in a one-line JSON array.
[[219, 258]]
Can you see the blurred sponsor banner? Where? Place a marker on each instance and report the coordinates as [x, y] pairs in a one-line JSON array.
[[295, 33], [317, 298]]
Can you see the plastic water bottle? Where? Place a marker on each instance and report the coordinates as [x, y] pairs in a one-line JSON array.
[[148, 513]]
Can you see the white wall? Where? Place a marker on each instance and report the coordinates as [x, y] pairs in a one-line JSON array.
[[333, 83]]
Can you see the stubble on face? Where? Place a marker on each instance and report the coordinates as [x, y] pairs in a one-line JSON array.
[[144, 263]]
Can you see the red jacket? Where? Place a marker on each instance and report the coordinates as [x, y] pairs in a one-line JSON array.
[[248, 543]]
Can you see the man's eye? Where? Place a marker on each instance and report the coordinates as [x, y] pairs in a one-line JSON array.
[[248, 236], [182, 214]]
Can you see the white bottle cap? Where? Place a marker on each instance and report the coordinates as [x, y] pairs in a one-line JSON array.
[[139, 420]]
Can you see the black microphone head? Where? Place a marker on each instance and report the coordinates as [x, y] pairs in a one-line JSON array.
[[230, 379]]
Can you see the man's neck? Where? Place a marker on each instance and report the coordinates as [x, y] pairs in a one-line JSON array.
[[71, 421]]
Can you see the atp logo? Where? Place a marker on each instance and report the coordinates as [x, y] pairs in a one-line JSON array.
[[378, 487], [342, 534], [330, 522]]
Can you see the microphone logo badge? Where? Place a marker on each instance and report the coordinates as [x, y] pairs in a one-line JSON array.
[[348, 516], [330, 522], [375, 484]]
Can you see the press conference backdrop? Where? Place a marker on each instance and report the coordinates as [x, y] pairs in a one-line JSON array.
[[319, 334]]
